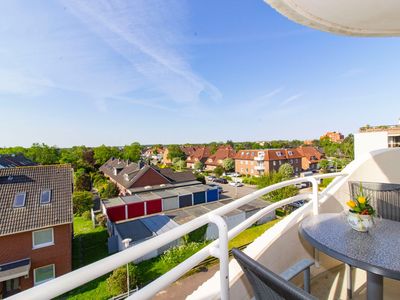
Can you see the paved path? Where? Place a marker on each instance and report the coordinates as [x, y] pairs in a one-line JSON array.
[[184, 287]]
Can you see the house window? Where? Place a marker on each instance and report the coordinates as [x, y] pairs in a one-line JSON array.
[[290, 152], [279, 154], [291, 161], [19, 200], [45, 197], [242, 153], [280, 162], [274, 163], [42, 238], [43, 274], [247, 162]]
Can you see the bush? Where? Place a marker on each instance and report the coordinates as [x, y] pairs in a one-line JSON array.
[[250, 180], [116, 283], [286, 170], [101, 220], [110, 190], [83, 181], [229, 178], [176, 255], [200, 177], [87, 215], [218, 171], [82, 201], [197, 235]]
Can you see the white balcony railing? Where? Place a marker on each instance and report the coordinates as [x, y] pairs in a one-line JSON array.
[[259, 158], [259, 168], [218, 248]]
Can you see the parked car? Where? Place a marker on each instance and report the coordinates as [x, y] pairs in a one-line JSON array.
[[235, 183], [211, 178], [221, 180], [298, 203], [301, 185], [220, 189]]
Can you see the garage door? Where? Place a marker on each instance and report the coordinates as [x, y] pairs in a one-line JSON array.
[[212, 195], [185, 200]]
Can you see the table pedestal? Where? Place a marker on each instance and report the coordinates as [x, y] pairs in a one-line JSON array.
[[374, 286]]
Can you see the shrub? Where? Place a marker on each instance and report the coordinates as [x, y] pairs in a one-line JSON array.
[[176, 255], [116, 283], [197, 235], [109, 190], [101, 220], [83, 182], [200, 177], [218, 171], [82, 201], [87, 215], [286, 170], [250, 180]]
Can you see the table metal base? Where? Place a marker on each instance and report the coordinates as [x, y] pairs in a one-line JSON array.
[[374, 286]]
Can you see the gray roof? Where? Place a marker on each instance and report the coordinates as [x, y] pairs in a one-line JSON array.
[[33, 180], [14, 160], [186, 214], [140, 229], [128, 173]]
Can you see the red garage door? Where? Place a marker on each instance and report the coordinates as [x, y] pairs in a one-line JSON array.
[[135, 210], [153, 206], [116, 213]]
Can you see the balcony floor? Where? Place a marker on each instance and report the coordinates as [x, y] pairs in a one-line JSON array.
[[336, 280]]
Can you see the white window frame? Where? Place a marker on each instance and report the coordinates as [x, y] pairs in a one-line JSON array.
[[15, 197], [40, 200], [43, 281], [44, 244]]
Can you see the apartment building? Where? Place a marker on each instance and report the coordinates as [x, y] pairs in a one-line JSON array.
[[201, 154], [333, 136], [35, 226], [310, 157], [261, 162]]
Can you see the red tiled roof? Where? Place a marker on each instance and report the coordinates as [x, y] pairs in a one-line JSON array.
[[310, 153], [201, 153], [221, 154]]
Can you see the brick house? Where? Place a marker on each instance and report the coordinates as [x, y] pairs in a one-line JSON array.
[[35, 225], [310, 157], [128, 175], [216, 159], [333, 136], [260, 162], [188, 150], [201, 154]]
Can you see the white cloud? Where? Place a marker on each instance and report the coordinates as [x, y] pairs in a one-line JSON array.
[[145, 33], [291, 99]]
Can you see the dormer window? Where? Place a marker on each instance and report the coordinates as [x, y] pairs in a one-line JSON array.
[[126, 177], [279, 154], [19, 200], [290, 152], [45, 197], [242, 153]]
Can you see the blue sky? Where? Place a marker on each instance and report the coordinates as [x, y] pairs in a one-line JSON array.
[[91, 72]]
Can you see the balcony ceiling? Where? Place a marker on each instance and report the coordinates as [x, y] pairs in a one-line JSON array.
[[346, 17]]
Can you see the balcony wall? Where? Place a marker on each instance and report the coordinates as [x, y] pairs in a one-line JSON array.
[[275, 248]]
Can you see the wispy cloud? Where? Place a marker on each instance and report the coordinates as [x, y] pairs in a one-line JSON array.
[[291, 99], [144, 33]]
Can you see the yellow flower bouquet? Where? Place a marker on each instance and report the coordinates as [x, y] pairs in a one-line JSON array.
[[361, 213]]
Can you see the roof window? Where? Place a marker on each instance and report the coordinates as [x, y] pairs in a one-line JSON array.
[[19, 200], [278, 153], [290, 152], [45, 196]]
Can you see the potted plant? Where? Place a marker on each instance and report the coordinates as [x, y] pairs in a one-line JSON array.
[[361, 213]]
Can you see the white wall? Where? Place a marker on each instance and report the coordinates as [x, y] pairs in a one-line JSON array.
[[369, 141]]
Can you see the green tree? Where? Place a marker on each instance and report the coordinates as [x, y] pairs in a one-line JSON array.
[[198, 165], [200, 177], [82, 201], [132, 152], [43, 154], [213, 147], [280, 194], [180, 164], [324, 165], [228, 164], [82, 180], [78, 157], [109, 190], [103, 153], [286, 170], [117, 282], [218, 171], [175, 151]]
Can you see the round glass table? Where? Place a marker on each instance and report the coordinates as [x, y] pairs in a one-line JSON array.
[[376, 251]]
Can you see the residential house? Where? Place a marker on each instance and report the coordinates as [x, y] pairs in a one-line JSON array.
[[129, 175], [265, 161], [154, 154], [216, 159], [310, 157], [188, 150], [333, 136], [200, 155], [14, 160], [35, 225]]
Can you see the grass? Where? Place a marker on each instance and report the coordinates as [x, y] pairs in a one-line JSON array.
[[250, 234], [89, 245]]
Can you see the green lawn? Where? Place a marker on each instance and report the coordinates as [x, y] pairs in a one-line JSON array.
[[89, 245], [250, 234]]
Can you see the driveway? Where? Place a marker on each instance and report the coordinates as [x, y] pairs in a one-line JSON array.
[[230, 191]]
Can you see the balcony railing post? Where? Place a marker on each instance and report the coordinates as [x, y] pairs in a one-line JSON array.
[[222, 253], [315, 195]]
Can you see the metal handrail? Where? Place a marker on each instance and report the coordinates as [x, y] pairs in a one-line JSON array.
[[69, 281]]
